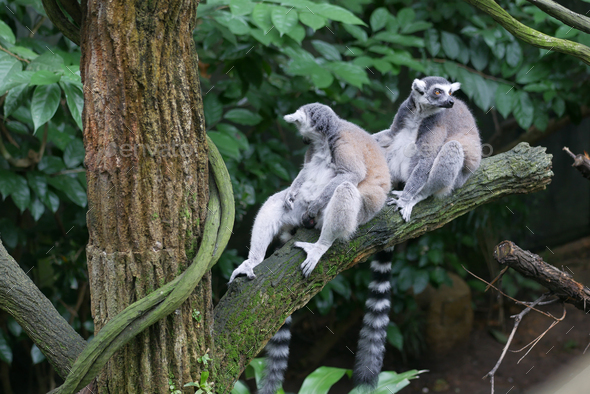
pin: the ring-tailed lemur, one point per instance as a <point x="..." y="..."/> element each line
<point x="433" y="144"/>
<point x="344" y="183"/>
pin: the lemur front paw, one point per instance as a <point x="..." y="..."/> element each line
<point x="311" y="261"/>
<point x="244" y="269"/>
<point x="309" y="219"/>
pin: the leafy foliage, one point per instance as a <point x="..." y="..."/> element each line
<point x="322" y="379"/>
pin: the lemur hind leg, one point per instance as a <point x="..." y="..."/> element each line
<point x="441" y="179"/>
<point x="340" y="222"/>
<point x="270" y="220"/>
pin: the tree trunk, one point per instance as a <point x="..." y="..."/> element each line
<point x="147" y="174"/>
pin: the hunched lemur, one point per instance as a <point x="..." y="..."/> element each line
<point x="433" y="144"/>
<point x="343" y="183"/>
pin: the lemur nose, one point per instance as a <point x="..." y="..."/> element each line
<point x="451" y="102"/>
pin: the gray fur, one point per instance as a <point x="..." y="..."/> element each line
<point x="433" y="144"/>
<point x="343" y="183"/>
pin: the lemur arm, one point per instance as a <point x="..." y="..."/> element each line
<point x="417" y="179"/>
<point x="297" y="182"/>
<point x="323" y="199"/>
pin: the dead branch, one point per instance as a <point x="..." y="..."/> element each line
<point x="530" y="265"/>
<point x="581" y="162"/>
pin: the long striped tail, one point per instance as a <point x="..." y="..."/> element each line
<point x="277" y="356"/>
<point x="371" y="345"/>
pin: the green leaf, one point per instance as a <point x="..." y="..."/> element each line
<point x="24" y="52"/>
<point x="565" y="31"/>
<point x="404" y="58"/>
<point x="70" y="187"/>
<point x="36" y="355"/>
<point x="212" y="108"/>
<point x="21" y="195"/>
<point x="241" y="7"/>
<point x="15" y="78"/>
<point x="255" y="369"/>
<point x="236" y="24"/>
<point x="5" y="350"/>
<point x="415" y="27"/>
<point x="75" y="100"/>
<point x="506" y="98"/>
<point x="513" y="54"/>
<point x="14" y="98"/>
<point x="379" y="18"/>
<point x="44" y="77"/>
<point x="279" y="170"/>
<point x="356" y="32"/>
<point x="532" y="73"/>
<point x="261" y="16"/>
<point x="47" y="61"/>
<point x="335" y="13"/>
<point x="44" y="104"/>
<point x="479" y="53"/>
<point x="559" y="106"/>
<point x="524" y="111"/>
<point x="484" y="92"/>
<point x="351" y="73"/>
<point x="431" y="38"/>
<point x="74" y="153"/>
<point x="37" y="209"/>
<point x="51" y="201"/>
<point x="51" y="164"/>
<point x="14" y="327"/>
<point x="37" y="182"/>
<point x="395" y="337"/>
<point x="8" y="66"/>
<point x="243" y="116"/>
<point x="284" y="19"/>
<point x="297" y="33"/>
<point x="405" y="16"/>
<point x="227" y="146"/>
<point x="10" y="182"/>
<point x="409" y="41"/>
<point x="6" y="33"/>
<point x="240" y="388"/>
<point x="328" y="51"/>
<point x="233" y="132"/>
<point x="421" y="279"/>
<point x="451" y="44"/>
<point x="382" y="65"/>
<point x="314" y="21"/>
<point x="321" y="380"/>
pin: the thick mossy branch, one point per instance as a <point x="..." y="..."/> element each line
<point x="531" y="36"/>
<point x="252" y="310"/>
<point x="564" y="14"/>
<point x="19" y="296"/>
<point x="532" y="266"/>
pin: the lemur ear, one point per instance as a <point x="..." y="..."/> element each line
<point x="419" y="86"/>
<point x="454" y="87"/>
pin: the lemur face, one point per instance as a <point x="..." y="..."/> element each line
<point x="435" y="91"/>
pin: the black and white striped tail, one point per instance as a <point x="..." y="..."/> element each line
<point x="277" y="355"/>
<point x="371" y="346"/>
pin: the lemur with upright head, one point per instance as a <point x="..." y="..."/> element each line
<point x="433" y="145"/>
<point x="343" y="184"/>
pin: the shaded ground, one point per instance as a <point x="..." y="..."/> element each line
<point x="461" y="370"/>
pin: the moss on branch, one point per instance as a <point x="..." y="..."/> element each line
<point x="252" y="310"/>
<point x="531" y="36"/>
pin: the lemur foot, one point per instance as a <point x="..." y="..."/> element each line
<point x="405" y="207"/>
<point x="314" y="253"/>
<point x="246" y="268"/>
<point x="397" y="193"/>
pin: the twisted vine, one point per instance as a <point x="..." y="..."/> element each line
<point x="163" y="301"/>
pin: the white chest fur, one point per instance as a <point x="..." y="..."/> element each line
<point x="318" y="173"/>
<point x="401" y="150"/>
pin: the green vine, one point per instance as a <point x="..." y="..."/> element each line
<point x="160" y="303"/>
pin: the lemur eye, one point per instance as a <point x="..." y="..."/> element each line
<point x="437" y="92"/>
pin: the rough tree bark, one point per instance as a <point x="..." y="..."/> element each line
<point x="530" y="265"/>
<point x="146" y="159"/>
<point x="251" y="311"/>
